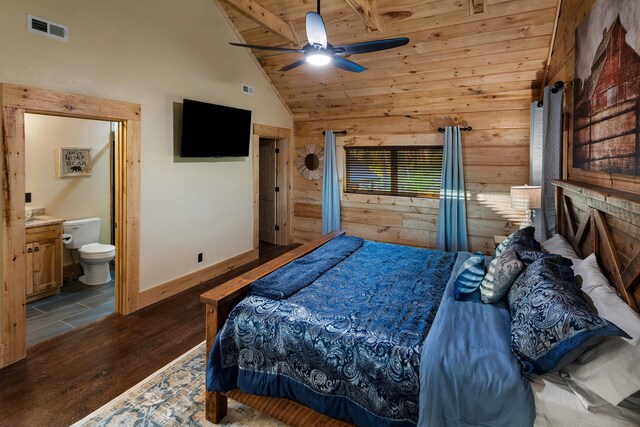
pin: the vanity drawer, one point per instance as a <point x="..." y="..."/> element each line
<point x="43" y="233"/>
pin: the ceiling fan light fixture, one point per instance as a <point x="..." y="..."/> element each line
<point x="318" y="52"/>
<point x="318" y="58"/>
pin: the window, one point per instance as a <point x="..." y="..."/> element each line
<point x="394" y="171"/>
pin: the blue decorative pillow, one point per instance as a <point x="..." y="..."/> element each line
<point x="469" y="277"/>
<point x="502" y="272"/>
<point x="551" y="324"/>
<point x="523" y="237"/>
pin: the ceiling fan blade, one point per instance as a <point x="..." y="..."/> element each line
<point x="293" y="65"/>
<point x="316" y="32"/>
<point x="275" y="49"/>
<point x="371" y="46"/>
<point x="347" y="65"/>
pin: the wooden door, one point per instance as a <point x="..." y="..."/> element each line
<point x="267" y="191"/>
<point x="44" y="265"/>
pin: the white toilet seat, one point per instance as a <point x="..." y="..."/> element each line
<point x="97" y="251"/>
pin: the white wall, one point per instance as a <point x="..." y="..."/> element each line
<point x="70" y="197"/>
<point x="155" y="53"/>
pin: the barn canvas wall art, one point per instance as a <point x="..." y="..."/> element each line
<point x="606" y="127"/>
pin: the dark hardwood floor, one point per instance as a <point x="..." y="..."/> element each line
<point x="68" y="377"/>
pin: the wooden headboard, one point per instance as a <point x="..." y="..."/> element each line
<point x="606" y="222"/>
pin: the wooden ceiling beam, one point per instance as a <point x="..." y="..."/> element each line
<point x="368" y="12"/>
<point x="263" y="17"/>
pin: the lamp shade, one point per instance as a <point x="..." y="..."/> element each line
<point x="526" y="197"/>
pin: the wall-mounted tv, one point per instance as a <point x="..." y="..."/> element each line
<point x="210" y="130"/>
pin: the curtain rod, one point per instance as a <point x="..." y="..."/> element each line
<point x="468" y="129"/>
<point x="344" y="132"/>
<point x="558" y="85"/>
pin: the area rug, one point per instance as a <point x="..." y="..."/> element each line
<point x="173" y="396"/>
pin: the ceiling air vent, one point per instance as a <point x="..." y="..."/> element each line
<point x="47" y="28"/>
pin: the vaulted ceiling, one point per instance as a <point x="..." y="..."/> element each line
<point x="473" y="51"/>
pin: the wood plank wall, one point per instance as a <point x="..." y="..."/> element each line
<point x="484" y="72"/>
<point x="562" y="67"/>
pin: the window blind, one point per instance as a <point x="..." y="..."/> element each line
<point x="394" y="171"/>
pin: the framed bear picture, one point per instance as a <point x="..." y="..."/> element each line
<point x="75" y="161"/>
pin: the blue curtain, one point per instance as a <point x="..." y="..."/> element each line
<point x="551" y="158"/>
<point x="451" y="234"/>
<point x="535" y="160"/>
<point x="546" y="158"/>
<point x="330" y="189"/>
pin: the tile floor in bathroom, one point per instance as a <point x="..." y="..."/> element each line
<point x="75" y="306"/>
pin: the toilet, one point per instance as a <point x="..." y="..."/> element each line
<point x="94" y="256"/>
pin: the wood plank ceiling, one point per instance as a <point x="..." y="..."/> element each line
<point x="479" y="62"/>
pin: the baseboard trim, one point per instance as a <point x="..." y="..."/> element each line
<point x="175" y="286"/>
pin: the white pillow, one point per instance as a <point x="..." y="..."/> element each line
<point x="558" y="245"/>
<point x="612" y="368"/>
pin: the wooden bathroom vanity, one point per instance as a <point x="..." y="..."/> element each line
<point x="44" y="257"/>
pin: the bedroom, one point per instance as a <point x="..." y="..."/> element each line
<point x="485" y="73"/>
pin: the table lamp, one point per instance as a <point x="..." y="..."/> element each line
<point x="526" y="197"/>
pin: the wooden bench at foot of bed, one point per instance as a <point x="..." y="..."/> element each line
<point x="220" y="301"/>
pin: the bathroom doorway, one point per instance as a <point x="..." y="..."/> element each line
<point x="15" y="101"/>
<point x="69" y="167"/>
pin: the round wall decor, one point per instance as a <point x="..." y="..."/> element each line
<point x="310" y="161"/>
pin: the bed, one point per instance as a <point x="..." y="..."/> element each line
<point x="481" y="360"/>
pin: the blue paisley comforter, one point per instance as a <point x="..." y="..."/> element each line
<point x="348" y="344"/>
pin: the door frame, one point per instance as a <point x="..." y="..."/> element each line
<point x="15" y="101"/>
<point x="284" y="181"/>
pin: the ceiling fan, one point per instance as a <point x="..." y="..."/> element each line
<point x="319" y="52"/>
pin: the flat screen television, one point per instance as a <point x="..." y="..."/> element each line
<point x="210" y="130"/>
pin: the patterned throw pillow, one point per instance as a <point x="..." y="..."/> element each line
<point x="528" y="256"/>
<point x="523" y="237"/>
<point x="502" y="272"/>
<point x="469" y="277"/>
<point x="551" y="324"/>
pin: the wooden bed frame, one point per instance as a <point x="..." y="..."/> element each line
<point x="606" y="222"/>
<point x="593" y="219"/>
